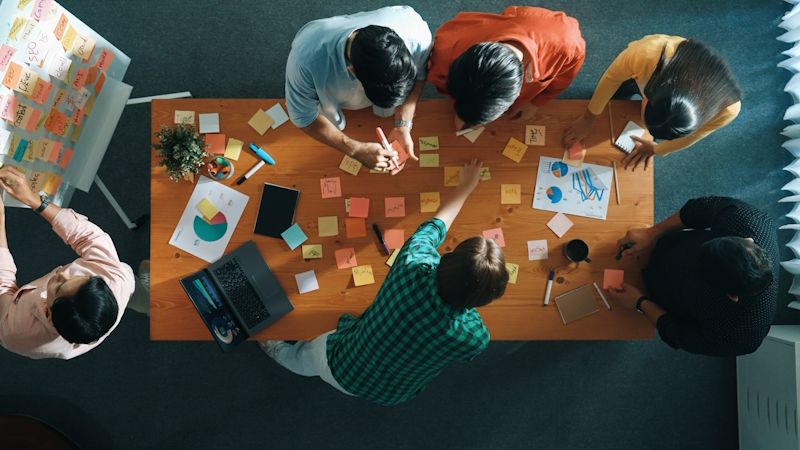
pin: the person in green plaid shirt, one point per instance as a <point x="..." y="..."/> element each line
<point x="422" y="319"/>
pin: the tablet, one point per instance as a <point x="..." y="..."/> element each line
<point x="276" y="210"/>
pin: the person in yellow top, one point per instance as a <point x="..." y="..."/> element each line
<point x="687" y="90"/>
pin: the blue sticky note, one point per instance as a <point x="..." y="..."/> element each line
<point x="19" y="153"/>
<point x="294" y="236"/>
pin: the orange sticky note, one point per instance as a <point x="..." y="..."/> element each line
<point x="495" y="234"/>
<point x="510" y="194"/>
<point x="215" y="144"/>
<point x="61" y="26"/>
<point x="515" y="150"/>
<point x="13" y="73"/>
<point x="395" y="206"/>
<point x="429" y="201"/>
<point x="104" y="60"/>
<point x="33" y="120"/>
<point x="101" y="80"/>
<point x="394" y="238"/>
<point x="65" y="158"/>
<point x="359" y="207"/>
<point x="330" y="187"/>
<point x="80" y="78"/>
<point x="452" y="175"/>
<point x="355" y="227"/>
<point x="345" y="258"/>
<point x="613" y="278"/>
<point x="41" y="91"/>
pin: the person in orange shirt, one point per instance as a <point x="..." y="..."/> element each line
<point x="515" y="61"/>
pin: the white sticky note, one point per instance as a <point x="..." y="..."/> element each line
<point x="306" y="282"/>
<point x="560" y="224"/>
<point x="5" y="135"/>
<point x="278" y="115"/>
<point x="209" y="123"/>
<point x="537" y="250"/>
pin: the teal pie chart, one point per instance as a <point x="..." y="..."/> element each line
<point x="213" y="231"/>
<point x="554" y="194"/>
<point x="559" y="169"/>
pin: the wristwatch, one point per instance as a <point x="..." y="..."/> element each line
<point x="639" y="303"/>
<point x="399" y="123"/>
<point x="44" y="205"/>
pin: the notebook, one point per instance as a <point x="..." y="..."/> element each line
<point x="624" y="141"/>
<point x="276" y="210"/>
<point x="576" y="304"/>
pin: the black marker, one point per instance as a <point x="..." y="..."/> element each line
<point x="380" y="238"/>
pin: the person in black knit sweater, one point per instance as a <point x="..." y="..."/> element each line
<point x="711" y="277"/>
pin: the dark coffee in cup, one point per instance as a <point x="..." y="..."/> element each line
<point x="577" y="251"/>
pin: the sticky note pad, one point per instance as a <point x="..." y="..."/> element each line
<point x="534" y="134"/>
<point x="578" y="162"/>
<point x="350" y="165"/>
<point x="209" y="123"/>
<point x="277" y="115"/>
<point x="429" y="160"/>
<point x="362" y="275"/>
<point x="330" y="187"/>
<point x="510" y="194"/>
<point x="452" y="176"/>
<point x="402" y="157"/>
<point x="428" y="143"/>
<point x="486" y="175"/>
<point x="613" y="278"/>
<point x="345" y="258"/>
<point x="215" y="144"/>
<point x="328" y="226"/>
<point x="394" y="238"/>
<point x="233" y="149"/>
<point x="355" y="227"/>
<point x="560" y="224"/>
<point x="313" y="251"/>
<point x="392" y="257"/>
<point x="294" y="236"/>
<point x="576" y="151"/>
<point x="515" y="150"/>
<point x="395" y="206"/>
<point x="495" y="234"/>
<point x="473" y="135"/>
<point x="359" y="207"/>
<point x="429" y="201"/>
<point x="207" y="209"/>
<point x="513" y="272"/>
<point x="537" y="250"/>
<point x="260" y="122"/>
<point x="184" y="117"/>
<point x="306" y="282"/>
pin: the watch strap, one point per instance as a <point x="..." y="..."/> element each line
<point x="399" y="123"/>
<point x="639" y="302"/>
<point x="44" y="205"/>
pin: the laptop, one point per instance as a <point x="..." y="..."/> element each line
<point x="237" y="296"/>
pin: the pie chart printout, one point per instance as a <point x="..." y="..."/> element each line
<point x="213" y="230"/>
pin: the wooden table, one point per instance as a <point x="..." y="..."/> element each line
<point x="301" y="162"/>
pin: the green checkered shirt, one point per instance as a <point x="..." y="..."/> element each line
<point x="408" y="334"/>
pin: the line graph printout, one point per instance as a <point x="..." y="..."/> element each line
<point x="580" y="191"/>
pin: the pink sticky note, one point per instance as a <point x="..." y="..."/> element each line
<point x="8" y="107"/>
<point x="330" y="187"/>
<point x="33" y="120"/>
<point x="560" y="224"/>
<point x="395" y="206"/>
<point x="79" y="79"/>
<point x="65" y="158"/>
<point x="495" y="234"/>
<point x="6" y="52"/>
<point x="104" y="60"/>
<point x="345" y="258"/>
<point x="40" y="9"/>
<point x="55" y="152"/>
<point x="576" y="151"/>
<point x="613" y="278"/>
<point x="394" y="238"/>
<point x="215" y="144"/>
<point x="359" y="207"/>
<point x="41" y="91"/>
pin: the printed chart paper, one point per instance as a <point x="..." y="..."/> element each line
<point x="581" y="192"/>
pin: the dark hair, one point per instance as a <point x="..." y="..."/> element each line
<point x="473" y="274"/>
<point x="688" y="91"/>
<point x="382" y="63"/>
<point x="484" y="81"/>
<point x="736" y="265"/>
<point x="88" y="315"/>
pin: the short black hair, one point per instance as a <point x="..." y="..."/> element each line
<point x="88" y="315"/>
<point x="473" y="274"/>
<point x="383" y="64"/>
<point x="484" y="81"/>
<point x="736" y="265"/>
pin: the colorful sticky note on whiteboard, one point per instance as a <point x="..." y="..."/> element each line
<point x="11" y="78"/>
<point x="260" y="122"/>
<point x="27" y="81"/>
<point x="355" y="227"/>
<point x="560" y="224"/>
<point x="184" y="117"/>
<point x="313" y="251"/>
<point x="510" y="194"/>
<point x="395" y="206"/>
<point x="345" y="258"/>
<point x="328" y="226"/>
<point x="515" y="150"/>
<point x="6" y="53"/>
<point x="394" y="238"/>
<point x="613" y="278"/>
<point x="65" y="158"/>
<point x="306" y="282"/>
<point x="513" y="272"/>
<point x="294" y="236"/>
<point x="429" y="201"/>
<point x="359" y="207"/>
<point x="362" y="275"/>
<point x="330" y="187"/>
<point x="429" y="160"/>
<point x="233" y="149"/>
<point x="495" y="234"/>
<point x="41" y="91"/>
<point x="537" y="250"/>
<point x="428" y="143"/>
<point x="350" y="165"/>
<point x="452" y="175"/>
<point x="534" y="134"/>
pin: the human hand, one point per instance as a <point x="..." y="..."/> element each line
<point x="15" y="183"/>
<point x="579" y="129"/>
<point x="626" y="296"/>
<point x="373" y="155"/>
<point x="637" y="242"/>
<point x="470" y="175"/>
<point x="642" y="153"/>
<point x="523" y="112"/>
<point x="403" y="136"/>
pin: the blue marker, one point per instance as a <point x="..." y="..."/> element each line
<point x="262" y="154"/>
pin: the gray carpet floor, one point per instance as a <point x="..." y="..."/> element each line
<point x="134" y="394"/>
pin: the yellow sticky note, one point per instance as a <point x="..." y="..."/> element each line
<point x="207" y="209"/>
<point x="233" y="149"/>
<point x="534" y="134"/>
<point x="429" y="160"/>
<point x="69" y="38"/>
<point x="19" y="22"/>
<point x="23" y="3"/>
<point x="513" y="271"/>
<point x="328" y="226"/>
<point x="429" y="201"/>
<point x="29" y="156"/>
<point x="451" y="175"/>
<point x="510" y="194"/>
<point x="428" y="143"/>
<point x="515" y="150"/>
<point x="392" y="257"/>
<point x="260" y="122"/>
<point x="350" y="165"/>
<point x="184" y="117"/>
<point x="485" y="174"/>
<point x="313" y="251"/>
<point x="362" y="275"/>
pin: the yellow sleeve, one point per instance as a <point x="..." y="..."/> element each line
<point x="725" y="117"/>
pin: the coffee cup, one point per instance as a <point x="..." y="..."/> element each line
<point x="577" y="251"/>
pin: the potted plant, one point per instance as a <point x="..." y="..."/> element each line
<point x="182" y="151"/>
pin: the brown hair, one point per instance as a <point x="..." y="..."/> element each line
<point x="473" y="274"/>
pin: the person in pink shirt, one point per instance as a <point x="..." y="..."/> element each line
<point x="73" y="308"/>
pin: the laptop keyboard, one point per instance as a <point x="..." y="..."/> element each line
<point x="241" y="293"/>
